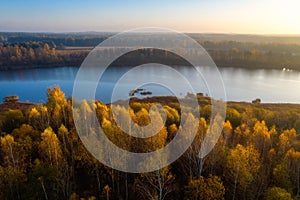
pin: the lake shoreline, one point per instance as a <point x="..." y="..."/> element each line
<point x="165" y="100"/>
<point x="14" y="68"/>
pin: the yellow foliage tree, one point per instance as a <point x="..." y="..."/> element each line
<point x="204" y="188"/>
<point x="49" y="148"/>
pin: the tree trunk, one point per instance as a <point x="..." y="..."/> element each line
<point x="160" y="185"/>
<point x="235" y="181"/>
<point x="99" y="183"/>
<point x="44" y="189"/>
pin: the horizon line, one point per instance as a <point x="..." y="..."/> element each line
<point x="116" y="32"/>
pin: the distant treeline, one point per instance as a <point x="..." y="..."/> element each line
<point x="60" y="39"/>
<point x="251" y="55"/>
<point x="34" y="54"/>
<point x="94" y="38"/>
<point x="41" y="49"/>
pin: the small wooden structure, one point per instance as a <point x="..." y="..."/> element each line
<point x="140" y="91"/>
<point x="146" y="93"/>
<point x="12" y="98"/>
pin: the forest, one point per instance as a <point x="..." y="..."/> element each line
<point x="36" y="54"/>
<point x="256" y="157"/>
<point x="24" y="50"/>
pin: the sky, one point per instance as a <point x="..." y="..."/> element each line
<point x="204" y="16"/>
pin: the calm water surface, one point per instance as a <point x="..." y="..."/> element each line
<point x="240" y="84"/>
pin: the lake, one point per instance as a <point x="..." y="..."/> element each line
<point x="240" y="84"/>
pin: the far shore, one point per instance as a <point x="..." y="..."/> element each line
<point x="24" y="67"/>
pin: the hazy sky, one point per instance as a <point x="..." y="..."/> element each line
<point x="222" y="16"/>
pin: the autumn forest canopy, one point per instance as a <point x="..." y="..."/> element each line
<point x="256" y="157"/>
